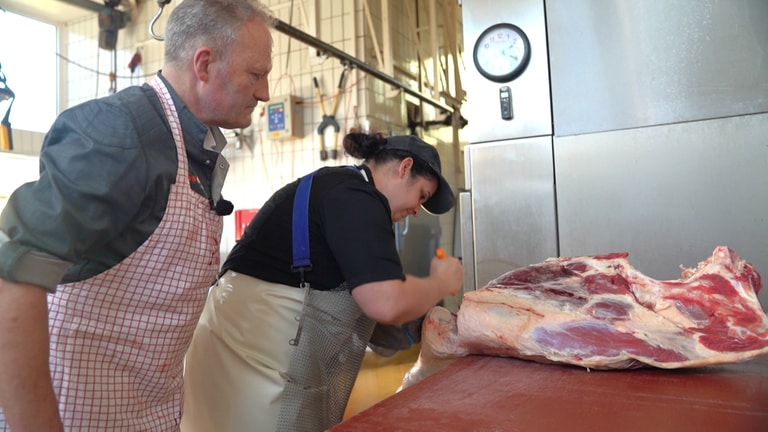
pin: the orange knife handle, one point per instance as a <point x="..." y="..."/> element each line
<point x="440" y="252"/>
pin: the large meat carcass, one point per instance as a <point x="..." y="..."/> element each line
<point x="599" y="312"/>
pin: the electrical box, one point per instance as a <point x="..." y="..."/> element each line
<point x="284" y="117"/>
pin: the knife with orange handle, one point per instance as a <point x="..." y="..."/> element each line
<point x="440" y="253"/>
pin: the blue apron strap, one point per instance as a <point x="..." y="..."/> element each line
<point x="300" y="225"/>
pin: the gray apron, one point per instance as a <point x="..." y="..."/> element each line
<point x="329" y="348"/>
<point x="329" y="345"/>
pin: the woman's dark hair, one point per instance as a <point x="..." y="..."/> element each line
<point x="372" y="148"/>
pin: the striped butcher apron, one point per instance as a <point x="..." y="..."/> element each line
<point x="118" y="339"/>
<point x="270" y="357"/>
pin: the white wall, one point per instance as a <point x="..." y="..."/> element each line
<point x="15" y="170"/>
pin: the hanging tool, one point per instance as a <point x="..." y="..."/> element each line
<point x="111" y="21"/>
<point x="6" y="136"/>
<point x="135" y="61"/>
<point x="329" y="120"/>
<point x="161" y="4"/>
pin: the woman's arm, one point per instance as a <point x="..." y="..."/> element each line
<point x="396" y="301"/>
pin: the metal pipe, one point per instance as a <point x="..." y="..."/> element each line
<point x="348" y="59"/>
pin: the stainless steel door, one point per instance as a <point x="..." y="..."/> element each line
<point x="666" y="194"/>
<point x="628" y="64"/>
<point x="512" y="206"/>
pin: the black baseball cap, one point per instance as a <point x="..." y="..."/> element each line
<point x="442" y="200"/>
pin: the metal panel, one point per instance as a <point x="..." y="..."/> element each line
<point x="418" y="243"/>
<point x="624" y="64"/>
<point x="530" y="91"/>
<point x="661" y="135"/>
<point x="667" y="194"/>
<point x="467" y="244"/>
<point x="513" y="205"/>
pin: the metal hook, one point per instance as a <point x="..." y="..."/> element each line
<point x="161" y="4"/>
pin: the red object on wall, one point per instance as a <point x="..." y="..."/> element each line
<point x="242" y="218"/>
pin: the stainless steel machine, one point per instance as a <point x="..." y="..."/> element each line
<point x="599" y="127"/>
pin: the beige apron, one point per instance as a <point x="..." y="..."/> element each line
<point x="118" y="339"/>
<point x="237" y="361"/>
<point x="244" y="374"/>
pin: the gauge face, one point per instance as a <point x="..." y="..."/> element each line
<point x="502" y="52"/>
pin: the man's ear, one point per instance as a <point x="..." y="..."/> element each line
<point x="201" y="61"/>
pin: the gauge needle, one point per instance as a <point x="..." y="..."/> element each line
<point x="510" y="52"/>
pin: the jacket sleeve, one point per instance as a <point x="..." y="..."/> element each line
<point x="93" y="177"/>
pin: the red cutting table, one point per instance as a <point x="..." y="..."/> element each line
<point x="485" y="394"/>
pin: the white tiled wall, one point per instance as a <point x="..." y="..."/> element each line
<point x="260" y="165"/>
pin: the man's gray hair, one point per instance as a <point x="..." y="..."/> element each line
<point x="215" y="23"/>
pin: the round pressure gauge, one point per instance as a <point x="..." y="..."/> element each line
<point x="502" y="52"/>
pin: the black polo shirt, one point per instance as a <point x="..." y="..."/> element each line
<point x="351" y="236"/>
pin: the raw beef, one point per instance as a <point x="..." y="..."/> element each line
<point x="600" y="313"/>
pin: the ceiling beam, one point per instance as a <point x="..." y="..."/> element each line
<point x="86" y="4"/>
